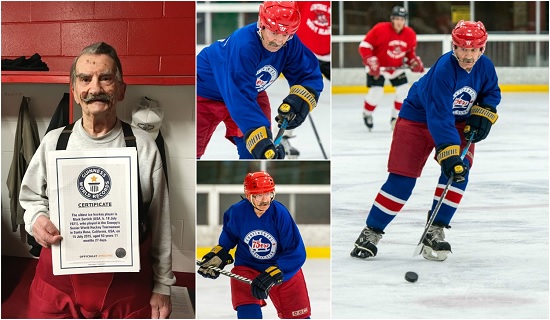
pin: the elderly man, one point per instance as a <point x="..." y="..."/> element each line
<point x="98" y="86"/>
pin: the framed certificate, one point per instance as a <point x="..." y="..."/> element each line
<point x="94" y="204"/>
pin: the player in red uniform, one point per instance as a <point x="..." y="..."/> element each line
<point x="314" y="32"/>
<point x="383" y="50"/>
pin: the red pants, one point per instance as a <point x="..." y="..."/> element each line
<point x="290" y="298"/>
<point x="121" y="295"/>
<point x="211" y="112"/>
<point x="412" y="144"/>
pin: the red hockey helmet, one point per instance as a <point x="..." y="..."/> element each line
<point x="469" y="34"/>
<point x="282" y="17"/>
<point x="258" y="182"/>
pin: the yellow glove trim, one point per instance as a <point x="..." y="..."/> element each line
<point x="272" y="271"/>
<point x="448" y="152"/>
<point x="480" y="111"/>
<point x="305" y="95"/>
<point x="257" y="136"/>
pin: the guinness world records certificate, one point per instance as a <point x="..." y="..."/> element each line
<point x="94" y="204"/>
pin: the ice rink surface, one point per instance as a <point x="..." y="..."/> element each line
<point x="499" y="235"/>
<point x="304" y="139"/>
<point x="213" y="298"/>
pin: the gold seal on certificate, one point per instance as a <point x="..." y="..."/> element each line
<point x="94" y="204"/>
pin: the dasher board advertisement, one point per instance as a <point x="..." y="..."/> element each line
<point x="94" y="203"/>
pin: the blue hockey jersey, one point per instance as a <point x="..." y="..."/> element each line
<point x="272" y="239"/>
<point x="235" y="69"/>
<point x="446" y="93"/>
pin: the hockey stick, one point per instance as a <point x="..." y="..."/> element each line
<point x="420" y="244"/>
<point x="279" y="136"/>
<point x="317" y="136"/>
<point x="227" y="273"/>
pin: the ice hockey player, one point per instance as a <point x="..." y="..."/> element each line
<point x="455" y="99"/>
<point x="233" y="74"/>
<point x="383" y="50"/>
<point x="314" y="32"/>
<point x="270" y="250"/>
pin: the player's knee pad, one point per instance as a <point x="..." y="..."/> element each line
<point x="401" y="92"/>
<point x="399" y="186"/>
<point x="249" y="311"/>
<point x="374" y="96"/>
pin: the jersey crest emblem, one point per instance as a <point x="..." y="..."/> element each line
<point x="265" y="77"/>
<point x="261" y="244"/>
<point x="463" y="100"/>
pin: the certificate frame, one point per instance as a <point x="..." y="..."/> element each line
<point x="94" y="203"/>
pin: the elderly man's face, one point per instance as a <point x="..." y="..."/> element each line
<point x="96" y="86"/>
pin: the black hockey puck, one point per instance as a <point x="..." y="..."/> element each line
<point x="411" y="276"/>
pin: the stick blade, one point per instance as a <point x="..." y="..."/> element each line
<point x="418" y="249"/>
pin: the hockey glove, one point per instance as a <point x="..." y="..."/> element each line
<point x="265" y="280"/>
<point x="416" y="64"/>
<point x="448" y="157"/>
<point x="373" y="66"/>
<point x="296" y="106"/>
<point x="481" y="119"/>
<point x="259" y="143"/>
<point x="217" y="257"/>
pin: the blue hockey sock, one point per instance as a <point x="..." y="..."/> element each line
<point x="249" y="311"/>
<point x="241" y="149"/>
<point x="390" y="200"/>
<point x="451" y="202"/>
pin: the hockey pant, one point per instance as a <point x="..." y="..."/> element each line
<point x="411" y="146"/>
<point x="290" y="298"/>
<point x="376" y="92"/>
<point x="120" y="295"/>
<point x="210" y="113"/>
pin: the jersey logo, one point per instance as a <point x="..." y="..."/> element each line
<point x="94" y="183"/>
<point x="265" y="77"/>
<point x="319" y="19"/>
<point x="261" y="244"/>
<point x="463" y="100"/>
<point x="397" y="49"/>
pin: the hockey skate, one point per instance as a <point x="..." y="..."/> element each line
<point x="435" y="247"/>
<point x="392" y="123"/>
<point x="365" y="245"/>
<point x="290" y="151"/>
<point x="368" y="120"/>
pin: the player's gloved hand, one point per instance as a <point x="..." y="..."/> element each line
<point x="259" y="143"/>
<point x="217" y="257"/>
<point x="373" y="66"/>
<point x="481" y="119"/>
<point x="265" y="280"/>
<point x="416" y="64"/>
<point x="296" y="106"/>
<point x="448" y="157"/>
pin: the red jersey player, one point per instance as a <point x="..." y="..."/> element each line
<point x="314" y="32"/>
<point x="383" y="50"/>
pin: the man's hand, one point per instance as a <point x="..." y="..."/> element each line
<point x="373" y="66"/>
<point x="161" y="306"/>
<point x="45" y="232"/>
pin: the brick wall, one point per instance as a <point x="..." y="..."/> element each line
<point x="152" y="38"/>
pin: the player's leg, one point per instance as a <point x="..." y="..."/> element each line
<point x="209" y="115"/>
<point x="291" y="298"/>
<point x="410" y="149"/>
<point x="291" y="152"/>
<point x="436" y="247"/>
<point x="373" y="98"/>
<point x="244" y="303"/>
<point x="401" y="90"/>
<point x="235" y="135"/>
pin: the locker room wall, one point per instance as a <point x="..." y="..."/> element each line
<point x="144" y="35"/>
